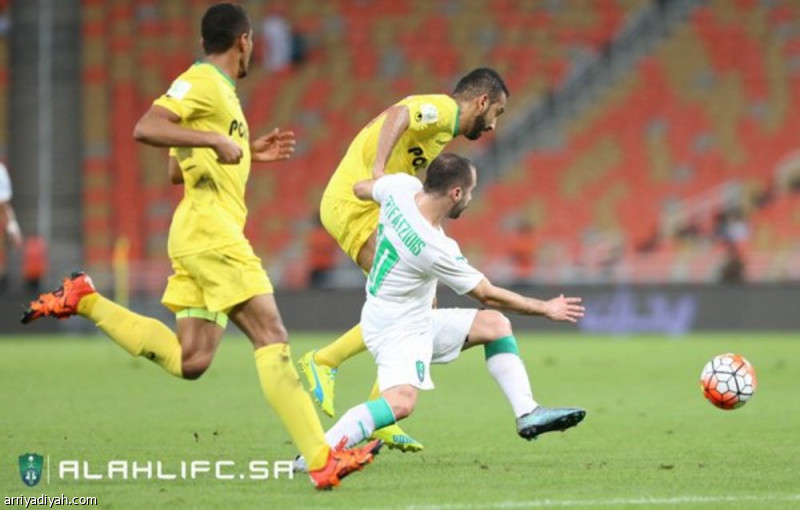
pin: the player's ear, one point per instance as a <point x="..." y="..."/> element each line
<point x="483" y="102"/>
<point x="242" y="41"/>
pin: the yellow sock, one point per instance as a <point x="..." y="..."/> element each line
<point x="139" y="335"/>
<point x="343" y="348"/>
<point x="286" y="395"/>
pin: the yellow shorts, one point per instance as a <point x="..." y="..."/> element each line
<point x="350" y="223"/>
<point x="216" y="280"/>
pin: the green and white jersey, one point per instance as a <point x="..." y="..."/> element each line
<point x="411" y="255"/>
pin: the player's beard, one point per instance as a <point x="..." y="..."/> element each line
<point x="457" y="209"/>
<point x="478" y="127"/>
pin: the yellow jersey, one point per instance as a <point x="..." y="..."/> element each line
<point x="212" y="213"/>
<point x="432" y="123"/>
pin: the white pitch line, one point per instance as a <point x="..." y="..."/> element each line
<point x="566" y="503"/>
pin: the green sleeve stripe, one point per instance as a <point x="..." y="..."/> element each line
<point x="381" y="413"/>
<point x="458" y="121"/>
<point x="501" y="345"/>
<point x="201" y="313"/>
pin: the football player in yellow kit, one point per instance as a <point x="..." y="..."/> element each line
<point x="404" y="138"/>
<point x="216" y="274"/>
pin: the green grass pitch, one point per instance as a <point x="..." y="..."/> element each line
<point x="649" y="438"/>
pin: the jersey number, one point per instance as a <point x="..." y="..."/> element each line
<point x="385" y="259"/>
<point x="419" y="160"/>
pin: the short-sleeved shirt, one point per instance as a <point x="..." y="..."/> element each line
<point x="410" y="257"/>
<point x="5" y="184"/>
<point x="432" y="124"/>
<point x="212" y="213"/>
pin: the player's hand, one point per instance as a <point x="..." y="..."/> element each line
<point x="275" y="146"/>
<point x="228" y="151"/>
<point x="564" y="309"/>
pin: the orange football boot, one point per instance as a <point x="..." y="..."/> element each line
<point x="342" y="462"/>
<point x="62" y="302"/>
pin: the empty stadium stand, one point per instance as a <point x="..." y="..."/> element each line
<point x="715" y="103"/>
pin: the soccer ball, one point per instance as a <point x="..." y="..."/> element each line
<point x="728" y="381"/>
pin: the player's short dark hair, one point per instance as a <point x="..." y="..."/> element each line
<point x="447" y="171"/>
<point x="221" y="25"/>
<point x="482" y="80"/>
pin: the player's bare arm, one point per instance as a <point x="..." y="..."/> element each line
<point x="274" y="146"/>
<point x="560" y="309"/>
<point x="363" y="189"/>
<point x="394" y="126"/>
<point x="161" y="128"/>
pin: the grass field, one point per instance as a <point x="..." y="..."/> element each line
<point x="649" y="438"/>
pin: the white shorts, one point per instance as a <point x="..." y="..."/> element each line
<point x="405" y="357"/>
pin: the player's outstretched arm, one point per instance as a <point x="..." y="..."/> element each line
<point x="560" y="309"/>
<point x="394" y="126"/>
<point x="161" y="128"/>
<point x="274" y="146"/>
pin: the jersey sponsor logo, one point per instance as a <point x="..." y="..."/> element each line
<point x="238" y="127"/>
<point x="179" y="89"/>
<point x="419" y="161"/>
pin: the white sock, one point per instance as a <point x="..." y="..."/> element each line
<point x="509" y="372"/>
<point x="356" y="425"/>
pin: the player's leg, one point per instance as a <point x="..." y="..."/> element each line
<point x="259" y="319"/>
<point x="199" y="334"/>
<point x="403" y="362"/>
<point x="403" y="359"/>
<point x="137" y="334"/>
<point x="362" y="421"/>
<point x="392" y="434"/>
<point x="493" y="330"/>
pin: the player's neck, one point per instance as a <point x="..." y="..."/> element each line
<point x="432" y="209"/>
<point x="226" y="62"/>
<point x="467" y="111"/>
<point x="463" y="110"/>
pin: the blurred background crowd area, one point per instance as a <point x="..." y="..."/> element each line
<point x="643" y="142"/>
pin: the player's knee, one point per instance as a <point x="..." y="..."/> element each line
<point x="402" y="406"/>
<point x="402" y="410"/>
<point x="195" y="365"/>
<point x="278" y="333"/>
<point x="273" y="333"/>
<point x="497" y="324"/>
